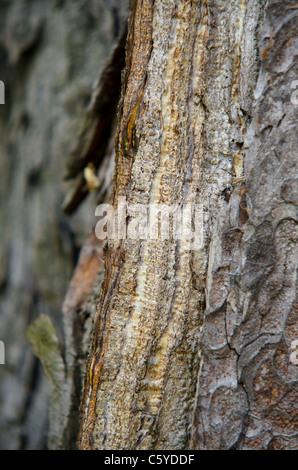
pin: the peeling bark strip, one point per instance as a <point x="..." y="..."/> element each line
<point x="142" y="370"/>
<point x="97" y="129"/>
<point x="192" y="68"/>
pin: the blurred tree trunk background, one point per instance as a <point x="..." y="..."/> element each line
<point x="51" y="53"/>
<point x="190" y="349"/>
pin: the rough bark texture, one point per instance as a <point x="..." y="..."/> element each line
<point x="247" y="386"/>
<point x="51" y="53"/>
<point x="191" y="348"/>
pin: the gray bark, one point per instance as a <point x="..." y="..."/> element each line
<point x="247" y="385"/>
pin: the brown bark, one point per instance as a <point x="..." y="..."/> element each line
<point x="191" y="349"/>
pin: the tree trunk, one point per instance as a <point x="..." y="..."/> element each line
<point x="191" y="348"/>
<point x="178" y="346"/>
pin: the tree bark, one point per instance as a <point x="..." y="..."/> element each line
<point x="247" y="386"/>
<point x="191" y="348"/>
<point x="178" y="348"/>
